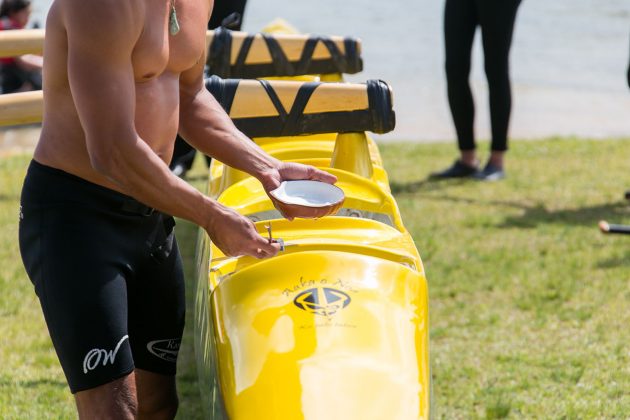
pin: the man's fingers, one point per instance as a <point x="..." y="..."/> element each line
<point x="264" y="249"/>
<point x="324" y="177"/>
<point x="301" y="171"/>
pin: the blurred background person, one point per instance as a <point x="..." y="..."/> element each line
<point x="496" y="19"/>
<point x="22" y="73"/>
<point x="228" y="13"/>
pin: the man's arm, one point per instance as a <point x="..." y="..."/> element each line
<point x="101" y="37"/>
<point x="207" y="127"/>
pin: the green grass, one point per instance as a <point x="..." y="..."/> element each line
<point x="528" y="301"/>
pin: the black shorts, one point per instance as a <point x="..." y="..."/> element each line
<point x="108" y="274"/>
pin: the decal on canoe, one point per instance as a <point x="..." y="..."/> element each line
<point x="302" y="284"/>
<point x="324" y="301"/>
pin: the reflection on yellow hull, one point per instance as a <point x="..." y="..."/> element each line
<point x="323" y="335"/>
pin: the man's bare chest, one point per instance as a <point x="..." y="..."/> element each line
<point x="158" y="50"/>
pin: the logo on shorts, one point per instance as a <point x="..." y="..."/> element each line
<point x="165" y="349"/>
<point x="95" y="356"/>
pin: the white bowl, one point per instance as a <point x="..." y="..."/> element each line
<point x="307" y="199"/>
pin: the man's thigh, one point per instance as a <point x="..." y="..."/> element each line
<point x="81" y="282"/>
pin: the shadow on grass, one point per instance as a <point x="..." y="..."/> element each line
<point x="427" y="184"/>
<point x="582" y="216"/>
<point x="533" y="215"/>
<point x="617" y="261"/>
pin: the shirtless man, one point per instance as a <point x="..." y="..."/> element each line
<point x="104" y="264"/>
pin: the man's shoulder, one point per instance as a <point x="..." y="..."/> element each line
<point x="101" y="10"/>
<point x="102" y="19"/>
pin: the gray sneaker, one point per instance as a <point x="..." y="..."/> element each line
<point x="490" y="173"/>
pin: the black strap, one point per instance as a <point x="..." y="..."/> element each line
<point x="223" y="90"/>
<point x="381" y="106"/>
<point x="349" y="62"/>
<point x="219" y="56"/>
<point x="275" y="100"/>
<point x="291" y="120"/>
<point x="379" y="117"/>
<point x="291" y="125"/>
<point x="307" y="55"/>
<point x="242" y="54"/>
<point x="280" y="61"/>
<point x="335" y="54"/>
<point x="354" y="63"/>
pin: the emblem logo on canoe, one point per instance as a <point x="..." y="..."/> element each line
<point x="322" y="300"/>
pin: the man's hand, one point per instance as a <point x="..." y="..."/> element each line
<point x="236" y="235"/>
<point x="286" y="171"/>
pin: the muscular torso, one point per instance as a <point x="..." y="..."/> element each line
<point x="157" y="60"/>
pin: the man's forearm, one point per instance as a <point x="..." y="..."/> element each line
<point x="141" y="174"/>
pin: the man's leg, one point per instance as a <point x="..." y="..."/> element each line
<point x="157" y="395"/>
<point x="81" y="246"/>
<point x="114" y="400"/>
<point x="141" y="394"/>
<point x="156" y="322"/>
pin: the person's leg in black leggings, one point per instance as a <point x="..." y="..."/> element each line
<point x="461" y="18"/>
<point x="460" y="24"/>
<point x="496" y="19"/>
<point x="184" y="154"/>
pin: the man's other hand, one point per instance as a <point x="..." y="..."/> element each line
<point x="236" y="235"/>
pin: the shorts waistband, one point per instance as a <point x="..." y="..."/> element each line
<point x="58" y="185"/>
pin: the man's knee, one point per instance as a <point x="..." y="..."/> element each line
<point x="497" y="73"/>
<point x="116" y="399"/>
<point x="157" y="395"/>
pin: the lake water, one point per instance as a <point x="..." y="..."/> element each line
<point x="569" y="60"/>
